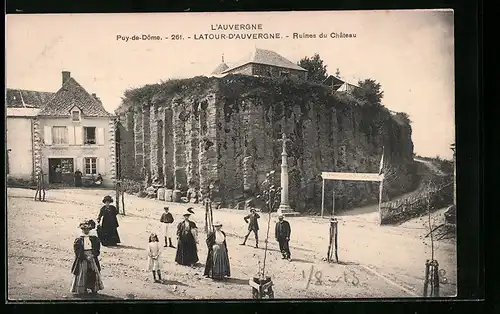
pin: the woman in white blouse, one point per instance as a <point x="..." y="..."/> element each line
<point x="217" y="265"/>
<point x="86" y="269"/>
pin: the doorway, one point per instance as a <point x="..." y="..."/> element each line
<point x="61" y="170"/>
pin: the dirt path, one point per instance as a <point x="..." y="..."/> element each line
<point x="375" y="261"/>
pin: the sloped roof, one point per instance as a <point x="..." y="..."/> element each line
<point x="22" y="112"/>
<point x="267" y="57"/>
<point x="73" y="94"/>
<point x="220" y="68"/>
<point x="20" y="98"/>
<point x="333" y="82"/>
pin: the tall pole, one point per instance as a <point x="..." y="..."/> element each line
<point x="284" y="205"/>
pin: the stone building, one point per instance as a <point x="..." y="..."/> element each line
<point x="223" y="132"/>
<point x="265" y="63"/>
<point x="69" y="130"/>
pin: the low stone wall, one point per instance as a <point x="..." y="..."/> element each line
<point x="415" y="203"/>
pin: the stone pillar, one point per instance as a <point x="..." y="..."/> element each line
<point x="146" y="130"/>
<point x="284" y="183"/>
<point x="112" y="148"/>
<point x="153" y="142"/>
<point x="284" y="205"/>
<point x="37" y="147"/>
<point x="179" y="138"/>
<point x="168" y="149"/>
<point x="128" y="162"/>
<point x="138" y="140"/>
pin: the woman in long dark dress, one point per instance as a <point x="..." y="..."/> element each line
<point x="187" y="234"/>
<point x="86" y="268"/>
<point x="108" y="232"/>
<point x="217" y="265"/>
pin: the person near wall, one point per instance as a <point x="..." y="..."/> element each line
<point x="98" y="180"/>
<point x="154" y="252"/>
<point x="40" y="187"/>
<point x="187" y="234"/>
<point x="253" y="226"/>
<point x="86" y="268"/>
<point x="78" y="178"/>
<point x="108" y="223"/>
<point x="166" y="220"/>
<point x="282" y="235"/>
<point x="217" y="266"/>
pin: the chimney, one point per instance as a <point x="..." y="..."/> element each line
<point x="65" y="76"/>
<point x="94" y="95"/>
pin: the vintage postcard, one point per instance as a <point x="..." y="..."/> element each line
<point x="271" y="155"/>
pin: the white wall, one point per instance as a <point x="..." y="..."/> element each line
<point x="19" y="141"/>
<point x="75" y="148"/>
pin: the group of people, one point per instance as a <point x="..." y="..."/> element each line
<point x="86" y="268"/>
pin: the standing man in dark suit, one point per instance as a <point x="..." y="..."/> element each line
<point x="253" y="226"/>
<point x="282" y="234"/>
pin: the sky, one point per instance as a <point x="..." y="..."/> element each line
<point x="410" y="53"/>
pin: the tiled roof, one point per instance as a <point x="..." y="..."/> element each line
<point x="19" y="98"/>
<point x="267" y="57"/>
<point x="220" y="68"/>
<point x="73" y="94"/>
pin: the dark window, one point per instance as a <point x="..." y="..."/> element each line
<point x="89" y="135"/>
<point x="75" y="116"/>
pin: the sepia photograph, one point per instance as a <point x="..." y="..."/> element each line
<point x="230" y="156"/>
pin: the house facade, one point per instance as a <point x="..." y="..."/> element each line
<point x="265" y="63"/>
<point x="70" y="131"/>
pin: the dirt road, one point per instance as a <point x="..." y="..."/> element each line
<point x="375" y="261"/>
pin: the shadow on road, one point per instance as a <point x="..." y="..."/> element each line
<point x="97" y="296"/>
<point x="128" y="247"/>
<point x="173" y="283"/>
<point x="237" y="281"/>
<point x="301" y="261"/>
<point x="346" y="263"/>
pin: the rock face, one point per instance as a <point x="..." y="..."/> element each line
<point x="224" y="132"/>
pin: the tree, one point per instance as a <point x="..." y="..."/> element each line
<point x="369" y="91"/>
<point x="316" y="70"/>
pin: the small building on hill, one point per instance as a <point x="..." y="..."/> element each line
<point x="60" y="133"/>
<point x="266" y="63"/>
<point x="337" y="84"/>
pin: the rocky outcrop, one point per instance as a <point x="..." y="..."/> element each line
<point x="224" y="132"/>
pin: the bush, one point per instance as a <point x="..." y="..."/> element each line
<point x="20" y="183"/>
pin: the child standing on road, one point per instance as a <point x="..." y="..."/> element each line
<point x="166" y="220"/>
<point x="154" y="251"/>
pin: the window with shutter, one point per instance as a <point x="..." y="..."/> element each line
<point x="60" y="135"/>
<point x="71" y="135"/>
<point x="47" y="135"/>
<point x="78" y="135"/>
<point x="102" y="166"/>
<point x="100" y="136"/>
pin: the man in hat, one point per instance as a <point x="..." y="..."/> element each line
<point x="167" y="219"/>
<point x="187" y="235"/>
<point x="282" y="235"/>
<point x="253" y="226"/>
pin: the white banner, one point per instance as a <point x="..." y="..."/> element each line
<point x="352" y="176"/>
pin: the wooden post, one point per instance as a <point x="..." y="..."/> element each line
<point x="123" y="199"/>
<point x="333" y="204"/>
<point x="323" y="199"/>
<point x="117" y="191"/>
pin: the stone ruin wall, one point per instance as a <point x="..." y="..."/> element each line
<point x="192" y="141"/>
